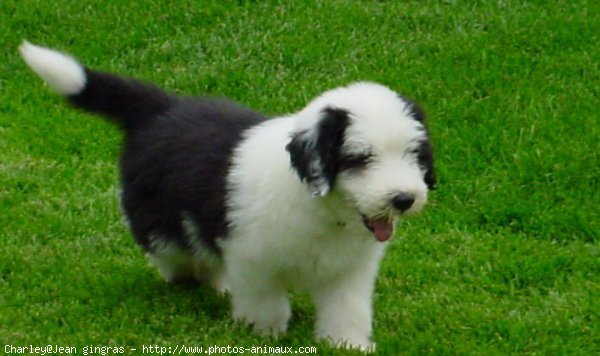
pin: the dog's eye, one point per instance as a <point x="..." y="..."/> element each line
<point x="355" y="161"/>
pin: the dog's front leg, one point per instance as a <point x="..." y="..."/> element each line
<point x="259" y="301"/>
<point x="344" y="311"/>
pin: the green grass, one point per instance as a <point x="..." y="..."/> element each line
<point x="505" y="260"/>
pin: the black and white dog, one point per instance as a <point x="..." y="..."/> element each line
<point x="215" y="191"/>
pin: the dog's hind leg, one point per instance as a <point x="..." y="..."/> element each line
<point x="218" y="280"/>
<point x="165" y="251"/>
<point x="208" y="265"/>
<point x="173" y="262"/>
<point x="210" y="270"/>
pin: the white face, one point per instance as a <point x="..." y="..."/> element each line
<point x="380" y="161"/>
<point x="370" y="144"/>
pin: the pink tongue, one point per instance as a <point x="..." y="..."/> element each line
<point x="382" y="229"/>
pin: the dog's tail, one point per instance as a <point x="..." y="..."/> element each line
<point x="127" y="102"/>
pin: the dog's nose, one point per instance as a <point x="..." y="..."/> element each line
<point x="403" y="201"/>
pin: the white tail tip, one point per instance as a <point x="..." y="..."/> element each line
<point x="61" y="71"/>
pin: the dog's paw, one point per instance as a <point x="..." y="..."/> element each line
<point x="219" y="283"/>
<point x="271" y="325"/>
<point x="265" y="319"/>
<point x="270" y="329"/>
<point x="361" y="344"/>
<point x="368" y="347"/>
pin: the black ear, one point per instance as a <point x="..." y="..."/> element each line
<point x="425" y="150"/>
<point x="315" y="152"/>
<point x="426" y="161"/>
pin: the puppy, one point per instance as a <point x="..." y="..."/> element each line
<point x="214" y="191"/>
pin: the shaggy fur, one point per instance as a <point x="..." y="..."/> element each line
<point x="214" y="191"/>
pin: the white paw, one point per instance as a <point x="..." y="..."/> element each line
<point x="268" y="316"/>
<point x="219" y="283"/>
<point x="265" y="324"/>
<point x="362" y="344"/>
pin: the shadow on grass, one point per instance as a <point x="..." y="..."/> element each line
<point x="141" y="293"/>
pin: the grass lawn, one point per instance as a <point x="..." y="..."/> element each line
<point x="505" y="259"/>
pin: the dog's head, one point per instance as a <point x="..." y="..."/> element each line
<point x="372" y="145"/>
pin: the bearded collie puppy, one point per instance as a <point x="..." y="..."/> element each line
<point x="258" y="207"/>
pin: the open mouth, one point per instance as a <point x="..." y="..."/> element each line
<point x="381" y="228"/>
